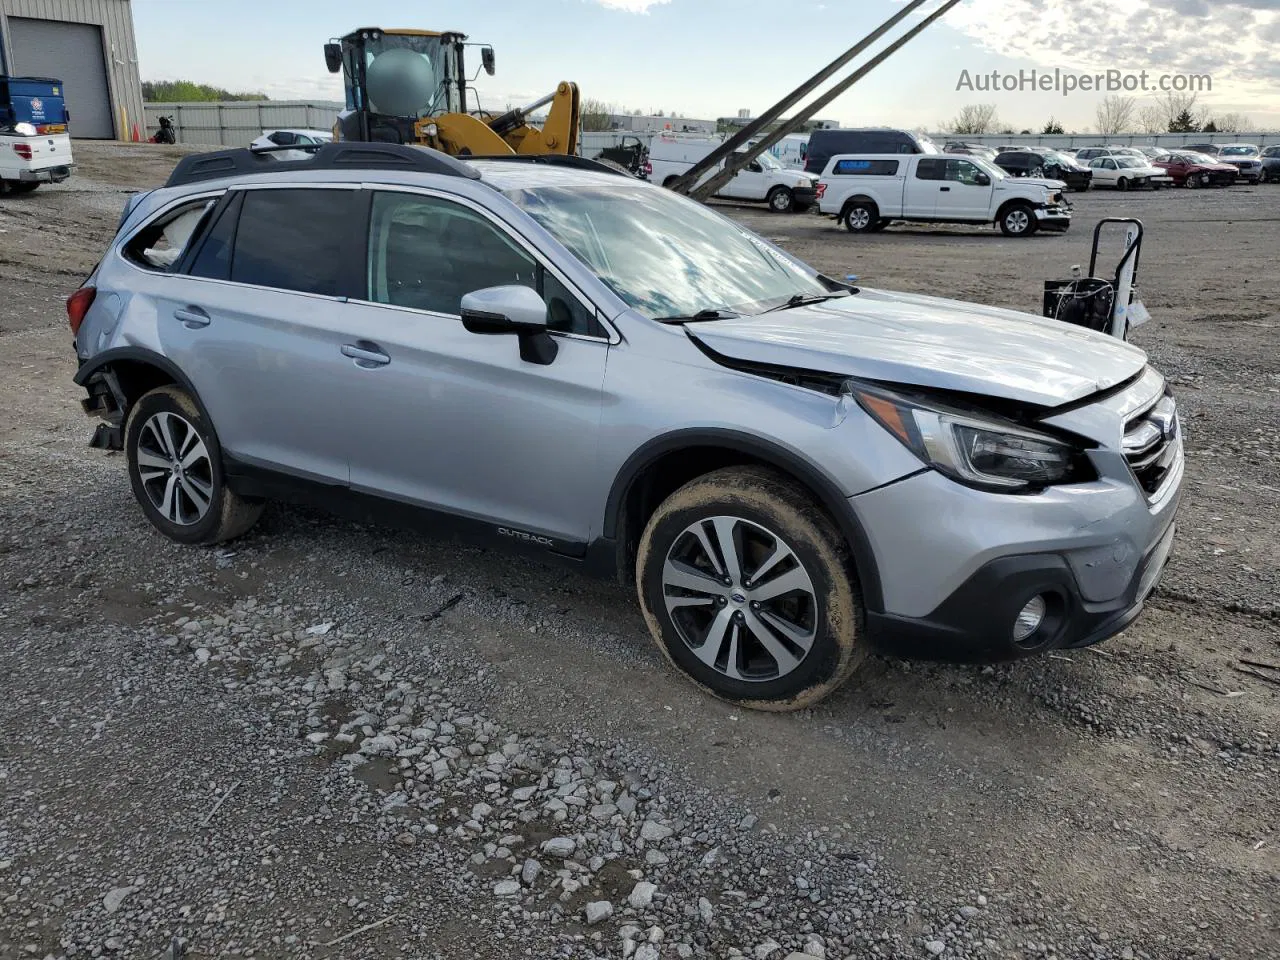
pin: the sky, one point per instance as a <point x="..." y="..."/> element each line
<point x="712" y="58"/>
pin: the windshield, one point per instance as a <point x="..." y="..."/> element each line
<point x="664" y="255"/>
<point x="769" y="162"/>
<point x="987" y="167"/>
<point x="1128" y="162"/>
<point x="1199" y="158"/>
<point x="1239" y="152"/>
<point x="409" y="76"/>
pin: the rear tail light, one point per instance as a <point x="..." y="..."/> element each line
<point x="23" y="150"/>
<point x="78" y="305"/>
<point x="822" y="189"/>
<point x="648" y="169"/>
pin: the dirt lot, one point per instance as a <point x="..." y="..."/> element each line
<point x="331" y="740"/>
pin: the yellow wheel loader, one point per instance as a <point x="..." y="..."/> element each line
<point x="411" y="86"/>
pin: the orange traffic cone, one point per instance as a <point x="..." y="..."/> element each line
<point x="136" y="135"/>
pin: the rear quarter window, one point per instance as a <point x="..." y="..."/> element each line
<point x="160" y="244"/>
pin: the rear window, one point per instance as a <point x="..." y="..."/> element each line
<point x="866" y="168"/>
<point x="294" y="239"/>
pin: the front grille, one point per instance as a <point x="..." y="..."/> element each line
<point x="1151" y="445"/>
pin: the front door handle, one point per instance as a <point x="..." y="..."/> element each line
<point x="192" y="317"/>
<point x="945" y="189"/>
<point x="366" y="354"/>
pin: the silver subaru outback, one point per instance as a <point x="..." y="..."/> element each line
<point x="560" y="359"/>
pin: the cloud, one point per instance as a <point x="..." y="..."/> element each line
<point x="642" y="6"/>
<point x="1230" y="39"/>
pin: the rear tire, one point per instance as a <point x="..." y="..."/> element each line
<point x="779" y="650"/>
<point x="175" y="469"/>
<point x="781" y="200"/>
<point x="860" y="216"/>
<point x="24" y="186"/>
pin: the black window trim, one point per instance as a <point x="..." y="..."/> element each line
<point x="610" y="334"/>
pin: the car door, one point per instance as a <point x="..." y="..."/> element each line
<point x="920" y="190"/>
<point x="1104" y="170"/>
<point x="454" y="420"/>
<point x="257" y="324"/>
<point x="962" y="195"/>
<point x="749" y="183"/>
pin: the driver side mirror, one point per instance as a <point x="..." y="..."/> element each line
<point x="984" y="180"/>
<point x="512" y="309"/>
<point x="755" y="167"/>
<point x="487" y="59"/>
<point x="333" y="57"/>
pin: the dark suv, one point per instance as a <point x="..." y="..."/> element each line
<point x="825" y="144"/>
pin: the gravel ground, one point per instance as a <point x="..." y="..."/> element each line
<point x="328" y="740"/>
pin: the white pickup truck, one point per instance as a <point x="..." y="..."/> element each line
<point x="867" y="192"/>
<point x="35" y="147"/>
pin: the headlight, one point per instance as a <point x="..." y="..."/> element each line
<point x="25" y="129"/>
<point x="977" y="450"/>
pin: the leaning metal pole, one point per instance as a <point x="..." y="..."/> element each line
<point x="760" y="123"/>
<point x="733" y="164"/>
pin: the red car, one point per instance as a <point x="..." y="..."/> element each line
<point x="1197" y="170"/>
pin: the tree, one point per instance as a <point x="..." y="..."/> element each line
<point x="1151" y="119"/>
<point x="1184" y="122"/>
<point x="1209" y="127"/>
<point x="186" y="91"/>
<point x="1232" y="123"/>
<point x="1115" y="115"/>
<point x="1053" y="126"/>
<point x="1180" y="113"/>
<point x="595" y="115"/>
<point x="976" y="118"/>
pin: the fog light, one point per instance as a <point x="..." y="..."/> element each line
<point x="1029" y="619"/>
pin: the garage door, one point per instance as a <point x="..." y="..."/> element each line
<point x="72" y="53"/>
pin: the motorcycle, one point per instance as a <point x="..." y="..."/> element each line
<point x="166" y="133"/>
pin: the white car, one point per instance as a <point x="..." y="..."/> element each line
<point x="764" y="180"/>
<point x="1126" y="173"/>
<point x="288" y="138"/>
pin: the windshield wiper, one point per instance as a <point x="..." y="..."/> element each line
<point x="701" y="315"/>
<point x="800" y="299"/>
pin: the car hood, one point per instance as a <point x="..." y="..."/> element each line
<point x="1013" y="183"/>
<point x="931" y="342"/>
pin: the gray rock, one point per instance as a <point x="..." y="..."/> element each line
<point x="111" y="902"/>
<point x="935" y="947"/>
<point x="560" y="847"/>
<point x="815" y="948"/>
<point x="747" y="822"/>
<point x="647" y="951"/>
<point x="654" y="832"/>
<point x="506" y="888"/>
<point x="762" y="951"/>
<point x="521" y="794"/>
<point x="641" y="896"/>
<point x="597" y="911"/>
<point x="705" y="911"/>
<point x="969" y="912"/>
<point x="529" y="872"/>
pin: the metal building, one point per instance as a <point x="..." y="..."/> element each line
<point x="87" y="44"/>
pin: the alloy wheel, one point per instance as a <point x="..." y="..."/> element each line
<point x="860" y="218"/>
<point x="740" y="598"/>
<point x="1017" y="221"/>
<point x="175" y="469"/>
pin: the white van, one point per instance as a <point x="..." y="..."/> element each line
<point x="764" y="181"/>
<point x="791" y="151"/>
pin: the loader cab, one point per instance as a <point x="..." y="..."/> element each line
<point x="394" y="78"/>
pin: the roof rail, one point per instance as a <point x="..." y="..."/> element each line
<point x="343" y="155"/>
<point x="558" y="160"/>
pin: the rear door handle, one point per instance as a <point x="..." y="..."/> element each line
<point x="945" y="189"/>
<point x="192" y="317"/>
<point x="365" y="354"/>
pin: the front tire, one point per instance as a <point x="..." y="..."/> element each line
<point x="781" y="200"/>
<point x="749" y="589"/>
<point x="175" y="469"/>
<point x="1018" y="221"/>
<point x="1122" y="183"/>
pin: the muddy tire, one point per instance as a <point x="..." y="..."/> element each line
<point x="749" y="589"/>
<point x="175" y="469"/>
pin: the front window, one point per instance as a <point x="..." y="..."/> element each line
<point x="664" y="255"/>
<point x="1239" y="152"/>
<point x="409" y="76"/>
